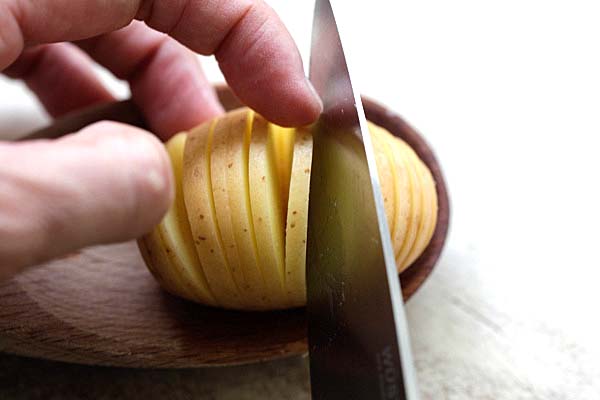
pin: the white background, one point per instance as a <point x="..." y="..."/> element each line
<point x="508" y="94"/>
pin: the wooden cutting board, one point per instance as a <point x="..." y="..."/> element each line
<point x="100" y="306"/>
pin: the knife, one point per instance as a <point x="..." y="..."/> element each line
<point x="359" y="345"/>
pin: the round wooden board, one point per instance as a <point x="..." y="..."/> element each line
<point x="100" y="306"/>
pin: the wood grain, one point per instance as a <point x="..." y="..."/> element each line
<point x="101" y="307"/>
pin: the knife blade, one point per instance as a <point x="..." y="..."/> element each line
<point x="359" y="346"/>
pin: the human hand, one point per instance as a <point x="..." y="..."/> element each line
<point x="112" y="182"/>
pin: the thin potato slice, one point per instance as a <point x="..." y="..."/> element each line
<point x="414" y="222"/>
<point x="267" y="209"/>
<point x="152" y="249"/>
<point x="199" y="201"/>
<point x="297" y="218"/>
<point x="387" y="175"/>
<point x="220" y="164"/>
<point x="404" y="199"/>
<point x="238" y="147"/>
<point x="176" y="234"/>
<point x="433" y="203"/>
<point x="427" y="216"/>
<point x="163" y="249"/>
<point x="284" y="146"/>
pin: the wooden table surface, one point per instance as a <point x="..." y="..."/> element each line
<point x="508" y="94"/>
<point x="466" y="347"/>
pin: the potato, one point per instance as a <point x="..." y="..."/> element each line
<point x="170" y="249"/>
<point x="412" y="207"/>
<point x="200" y="205"/>
<point x="428" y="210"/>
<point x="235" y="236"/>
<point x="297" y="218"/>
<point x="387" y="173"/>
<point x="238" y="187"/>
<point x="267" y="208"/>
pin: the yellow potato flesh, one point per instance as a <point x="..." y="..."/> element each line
<point x="403" y="195"/>
<point x="153" y="251"/>
<point x="433" y="204"/>
<point x="297" y="218"/>
<point x="387" y="173"/>
<point x="169" y="247"/>
<point x="284" y="149"/>
<point x="238" y="185"/>
<point x="429" y="212"/>
<point x="199" y="201"/>
<point x="176" y="233"/>
<point x="415" y="199"/>
<point x="235" y="236"/>
<point x="229" y="130"/>
<point x="267" y="209"/>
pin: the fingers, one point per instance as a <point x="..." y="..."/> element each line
<point x="255" y="51"/>
<point x="166" y="80"/>
<point x="31" y="22"/>
<point x="107" y="183"/>
<point x="263" y="66"/>
<point x="61" y="76"/>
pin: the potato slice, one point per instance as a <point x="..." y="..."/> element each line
<point x="237" y="151"/>
<point x="199" y="201"/>
<point x="416" y="201"/>
<point x="429" y="182"/>
<point x="169" y="249"/>
<point x="404" y="200"/>
<point x="226" y="130"/>
<point x="152" y="249"/>
<point x="297" y="218"/>
<point x="284" y="146"/>
<point x="429" y="212"/>
<point x="176" y="233"/>
<point x="433" y="203"/>
<point x="387" y="174"/>
<point x="267" y="208"/>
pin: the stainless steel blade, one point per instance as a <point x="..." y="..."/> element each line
<point x="358" y="339"/>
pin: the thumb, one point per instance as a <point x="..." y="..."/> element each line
<point x="110" y="182"/>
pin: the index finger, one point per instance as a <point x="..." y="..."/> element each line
<point x="255" y="51"/>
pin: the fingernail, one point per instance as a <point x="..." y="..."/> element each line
<point x="315" y="95"/>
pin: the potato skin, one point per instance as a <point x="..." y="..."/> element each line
<point x="246" y="189"/>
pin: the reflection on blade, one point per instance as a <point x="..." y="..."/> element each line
<point x="358" y="340"/>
